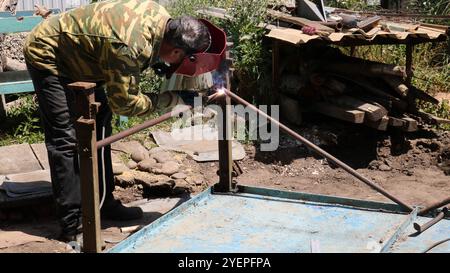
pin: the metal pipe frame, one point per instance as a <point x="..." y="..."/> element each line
<point x="143" y="126"/>
<point x="321" y="152"/>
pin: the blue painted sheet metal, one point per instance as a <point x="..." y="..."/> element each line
<point x="23" y="13"/>
<point x="412" y="242"/>
<point x="237" y="223"/>
<point x="12" y="25"/>
<point x="16" y="87"/>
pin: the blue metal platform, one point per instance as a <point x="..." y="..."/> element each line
<point x="271" y="221"/>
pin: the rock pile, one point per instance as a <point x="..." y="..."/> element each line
<point x="160" y="172"/>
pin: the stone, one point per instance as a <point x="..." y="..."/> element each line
<point x="374" y="165"/>
<point x="159" y="185"/>
<point x="119" y="168"/>
<point x="115" y="158"/>
<point x="179" y="176"/>
<point x="163" y="157"/>
<point x="148" y="179"/>
<point x="181" y="186"/>
<point x="128" y="147"/>
<point x="384" y="168"/>
<point x="147" y="165"/>
<point x="139" y="156"/>
<point x="132" y="164"/>
<point x="167" y="168"/>
<point x="156" y="150"/>
<point x="195" y="180"/>
<point x="126" y="179"/>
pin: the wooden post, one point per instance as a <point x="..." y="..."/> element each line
<point x="2" y="107"/>
<point x="275" y="70"/>
<point x="87" y="109"/>
<point x="409" y="60"/>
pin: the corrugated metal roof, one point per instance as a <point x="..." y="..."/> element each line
<point x="50" y="4"/>
<point x="421" y="33"/>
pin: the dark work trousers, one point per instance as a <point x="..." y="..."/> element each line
<point x="56" y="104"/>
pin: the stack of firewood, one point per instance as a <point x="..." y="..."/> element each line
<point x="323" y="80"/>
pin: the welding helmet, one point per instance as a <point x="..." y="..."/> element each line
<point x="195" y="64"/>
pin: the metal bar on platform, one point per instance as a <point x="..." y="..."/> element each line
<point x="143" y="126"/>
<point x="321" y="152"/>
<point x="436" y="205"/>
<point x="439" y="217"/>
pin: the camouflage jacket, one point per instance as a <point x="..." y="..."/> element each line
<point x="110" y="42"/>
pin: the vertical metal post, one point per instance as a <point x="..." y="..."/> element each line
<point x="87" y="109"/>
<point x="409" y="61"/>
<point x="275" y="69"/>
<point x="225" y="148"/>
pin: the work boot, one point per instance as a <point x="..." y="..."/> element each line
<point x="114" y="210"/>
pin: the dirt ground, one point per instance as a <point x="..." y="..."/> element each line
<point x="414" y="167"/>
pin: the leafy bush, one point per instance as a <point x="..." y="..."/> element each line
<point x="23" y="123"/>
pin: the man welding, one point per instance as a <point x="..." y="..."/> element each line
<point x="109" y="43"/>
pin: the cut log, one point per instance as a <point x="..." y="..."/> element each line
<point x="429" y="118"/>
<point x="377" y="101"/>
<point x="398" y="85"/>
<point x="354" y="66"/>
<point x="291" y="84"/>
<point x="320" y="29"/>
<point x="290" y="110"/>
<point x="373" y="112"/>
<point x="366" y="86"/>
<point x="422" y="95"/>
<point x="396" y="122"/>
<point x="335" y="85"/>
<point x="411" y="125"/>
<point x="380" y="125"/>
<point x="328" y="109"/>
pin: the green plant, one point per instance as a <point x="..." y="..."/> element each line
<point x="22" y="123"/>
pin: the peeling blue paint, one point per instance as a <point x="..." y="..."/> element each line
<point x="271" y="221"/>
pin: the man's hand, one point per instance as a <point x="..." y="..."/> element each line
<point x="165" y="100"/>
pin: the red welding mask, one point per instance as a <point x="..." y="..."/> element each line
<point x="203" y="62"/>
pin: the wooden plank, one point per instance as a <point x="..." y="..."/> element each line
<point x="41" y="153"/>
<point x="396" y="122"/>
<point x="380" y="125"/>
<point x="422" y="95"/>
<point x="300" y="21"/>
<point x="411" y="125"/>
<point x="18" y="159"/>
<point x="397" y="84"/>
<point x="429" y="118"/>
<point x="373" y="112"/>
<point x="350" y="115"/>
<point x="2" y="106"/>
<point x="14" y="76"/>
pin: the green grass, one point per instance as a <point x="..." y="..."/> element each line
<point x="22" y="124"/>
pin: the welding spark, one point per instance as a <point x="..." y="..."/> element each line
<point x="221" y="91"/>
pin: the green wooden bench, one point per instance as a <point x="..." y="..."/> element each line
<point x="14" y="82"/>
